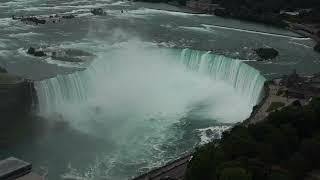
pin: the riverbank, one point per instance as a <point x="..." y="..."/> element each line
<point x="282" y="19"/>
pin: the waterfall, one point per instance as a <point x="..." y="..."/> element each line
<point x="244" y="78"/>
<point x="77" y="88"/>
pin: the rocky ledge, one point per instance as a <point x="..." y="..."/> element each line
<point x="17" y="94"/>
<point x="66" y="55"/>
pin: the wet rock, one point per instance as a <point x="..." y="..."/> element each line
<point x="40" y="54"/>
<point x="33" y="20"/>
<point x="209" y="132"/>
<point x="71" y="16"/>
<point x="31" y="50"/>
<point x="266" y="53"/>
<point x="98" y="11"/>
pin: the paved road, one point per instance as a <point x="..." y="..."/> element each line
<point x="175" y="169"/>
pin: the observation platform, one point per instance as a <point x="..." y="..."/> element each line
<point x="16" y="169"/>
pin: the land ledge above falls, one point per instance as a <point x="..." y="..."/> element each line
<point x="17" y="95"/>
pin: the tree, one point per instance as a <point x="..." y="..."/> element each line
<point x="297" y="166"/>
<point x="235" y="174"/>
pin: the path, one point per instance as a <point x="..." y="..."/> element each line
<point x="175" y="169"/>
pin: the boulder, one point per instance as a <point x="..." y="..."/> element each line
<point x="266" y="53"/>
<point x="98" y="11"/>
<point x="40" y="54"/>
<point x="34" y="20"/>
<point x="31" y="50"/>
<point x="71" y="16"/>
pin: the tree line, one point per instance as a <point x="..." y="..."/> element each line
<point x="284" y="147"/>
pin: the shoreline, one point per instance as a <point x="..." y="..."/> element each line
<point x="302" y="30"/>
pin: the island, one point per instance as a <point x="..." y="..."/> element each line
<point x="266" y="53"/>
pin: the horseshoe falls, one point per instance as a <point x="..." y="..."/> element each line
<point x="146" y="102"/>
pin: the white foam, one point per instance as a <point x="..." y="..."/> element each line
<point x="198" y="29"/>
<point x="254" y="32"/>
<point x="22" y="35"/>
<point x="300" y="44"/>
<point x="215" y="132"/>
<point x="49" y="60"/>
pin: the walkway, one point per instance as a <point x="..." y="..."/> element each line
<point x="175" y="169"/>
<point x="273" y="97"/>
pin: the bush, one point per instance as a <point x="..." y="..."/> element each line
<point x="289" y="139"/>
<point x="266" y="53"/>
<point x="235" y="174"/>
<point x="3" y="70"/>
<point x="317" y="47"/>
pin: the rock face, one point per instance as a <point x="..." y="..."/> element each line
<point x="266" y="53"/>
<point x="317" y="47"/>
<point x="17" y="95"/>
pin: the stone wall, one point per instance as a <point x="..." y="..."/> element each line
<point x="17" y="97"/>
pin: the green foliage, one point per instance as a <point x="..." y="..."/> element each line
<point x="317" y="47"/>
<point x="289" y="139"/>
<point x="267" y="53"/>
<point x="274" y="106"/>
<point x="234" y="174"/>
<point x="297" y="166"/>
<point x="3" y="70"/>
<point x="278" y="176"/>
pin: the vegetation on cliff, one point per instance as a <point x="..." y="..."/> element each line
<point x="317" y="47"/>
<point x="286" y="146"/>
<point x="266" y="53"/>
<point x="3" y="70"/>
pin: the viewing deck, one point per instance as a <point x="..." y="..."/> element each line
<point x="16" y="169"/>
<point x="175" y="170"/>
